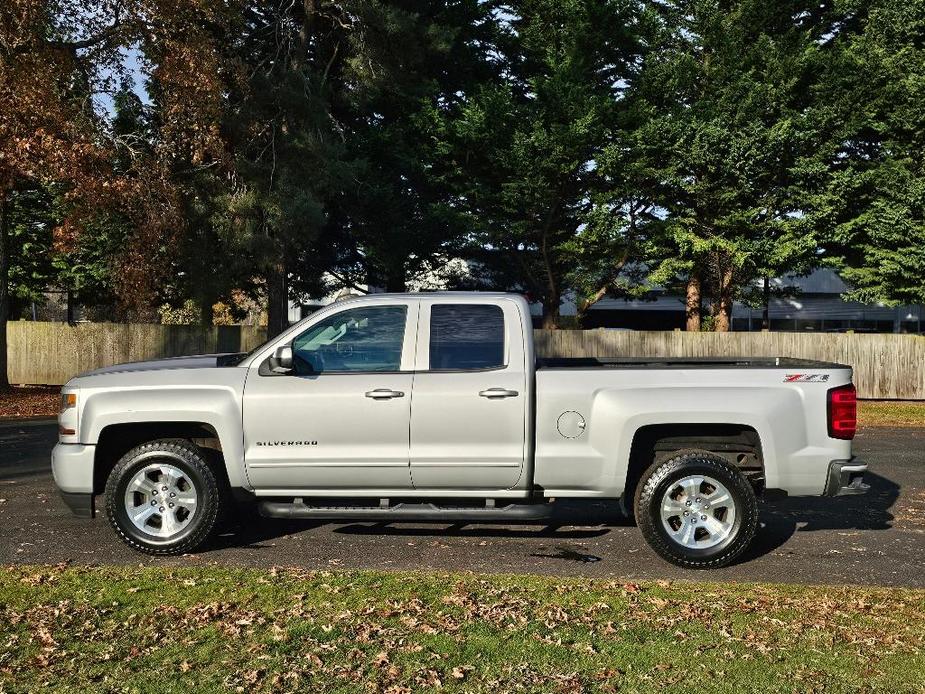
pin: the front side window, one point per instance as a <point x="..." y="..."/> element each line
<point x="358" y="339"/>
<point x="466" y="336"/>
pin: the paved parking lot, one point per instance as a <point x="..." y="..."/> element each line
<point x="877" y="539"/>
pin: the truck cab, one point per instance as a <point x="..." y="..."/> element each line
<point x="395" y="395"/>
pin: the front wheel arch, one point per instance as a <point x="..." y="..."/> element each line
<point x="115" y="440"/>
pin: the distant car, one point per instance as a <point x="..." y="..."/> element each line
<point x="432" y="407"/>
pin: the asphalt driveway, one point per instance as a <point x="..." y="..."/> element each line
<point x="876" y="539"/>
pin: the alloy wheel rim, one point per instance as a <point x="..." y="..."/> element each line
<point x="698" y="512"/>
<point x="161" y="500"/>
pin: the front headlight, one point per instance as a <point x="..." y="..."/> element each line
<point x="67" y="418"/>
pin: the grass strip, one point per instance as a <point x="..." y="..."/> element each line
<point x="217" y="629"/>
<point x="891" y="413"/>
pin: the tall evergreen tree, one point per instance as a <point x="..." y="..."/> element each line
<point x="729" y="145"/>
<point x="413" y="65"/>
<point x="533" y="138"/>
<point x="874" y="204"/>
<point x="287" y="148"/>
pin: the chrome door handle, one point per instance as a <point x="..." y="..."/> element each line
<point x="384" y="394"/>
<point x="498" y="393"/>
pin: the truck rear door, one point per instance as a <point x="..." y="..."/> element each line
<point x="469" y="405"/>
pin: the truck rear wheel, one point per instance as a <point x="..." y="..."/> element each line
<point x="696" y="510"/>
<point x="162" y="497"/>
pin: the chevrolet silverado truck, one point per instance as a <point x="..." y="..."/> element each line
<point x="433" y="407"/>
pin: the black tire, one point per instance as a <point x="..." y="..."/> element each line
<point x="658" y="480"/>
<point x="210" y="500"/>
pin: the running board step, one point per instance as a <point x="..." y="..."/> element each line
<point x="409" y="512"/>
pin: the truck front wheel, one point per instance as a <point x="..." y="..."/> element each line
<point x="696" y="510"/>
<point x="162" y="497"/>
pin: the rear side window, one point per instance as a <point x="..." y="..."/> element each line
<point x="466" y="336"/>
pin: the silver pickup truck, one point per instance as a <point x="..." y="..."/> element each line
<point x="433" y="407"/>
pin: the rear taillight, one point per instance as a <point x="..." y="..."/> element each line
<point x="843" y="412"/>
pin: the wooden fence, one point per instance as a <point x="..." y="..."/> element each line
<point x="885" y="366"/>
<point x="52" y="353"/>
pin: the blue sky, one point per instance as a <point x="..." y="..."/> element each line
<point x="132" y="60"/>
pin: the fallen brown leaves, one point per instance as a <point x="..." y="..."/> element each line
<point x="23" y="402"/>
<point x="290" y="630"/>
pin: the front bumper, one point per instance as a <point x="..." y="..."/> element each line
<point x="80" y="504"/>
<point x="846" y="477"/>
<point x="72" y="467"/>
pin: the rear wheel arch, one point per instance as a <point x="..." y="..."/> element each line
<point x="738" y="444"/>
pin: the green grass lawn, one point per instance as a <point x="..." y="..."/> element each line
<point x="192" y="630"/>
<point x="891" y="413"/>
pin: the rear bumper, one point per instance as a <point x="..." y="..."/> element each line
<point x="72" y="467"/>
<point x="846" y="477"/>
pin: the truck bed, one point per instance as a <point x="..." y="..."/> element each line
<point x="684" y="363"/>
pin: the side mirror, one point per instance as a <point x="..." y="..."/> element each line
<point x="282" y="359"/>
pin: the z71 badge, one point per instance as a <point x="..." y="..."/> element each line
<point x="806" y="378"/>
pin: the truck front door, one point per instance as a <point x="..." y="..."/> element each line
<point x="340" y="420"/>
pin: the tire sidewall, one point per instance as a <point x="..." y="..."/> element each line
<point x="665" y="475"/>
<point x="199" y="475"/>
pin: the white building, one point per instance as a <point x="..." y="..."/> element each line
<point x="816" y="305"/>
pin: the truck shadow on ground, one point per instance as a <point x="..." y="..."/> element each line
<point x="782" y="518"/>
<point x="254" y="535"/>
<point x="570" y="522"/>
<point x="575" y="520"/>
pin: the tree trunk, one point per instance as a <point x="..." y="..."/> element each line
<point x="766" y="312"/>
<point x="277" y="300"/>
<point x="4" y="287"/>
<point x="395" y="281"/>
<point x="724" y="308"/>
<point x="584" y="305"/>
<point x="553" y="297"/>
<point x="551" y="311"/>
<point x="692" y="305"/>
<point x="206" y="313"/>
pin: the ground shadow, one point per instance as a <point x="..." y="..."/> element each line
<point x="575" y="519"/>
<point x="569" y="554"/>
<point x="781" y="518"/>
<point x="248" y="529"/>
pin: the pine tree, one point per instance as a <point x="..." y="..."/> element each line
<point x="728" y="146"/>
<point x="413" y="66"/>
<point x="534" y="136"/>
<point x="874" y="203"/>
